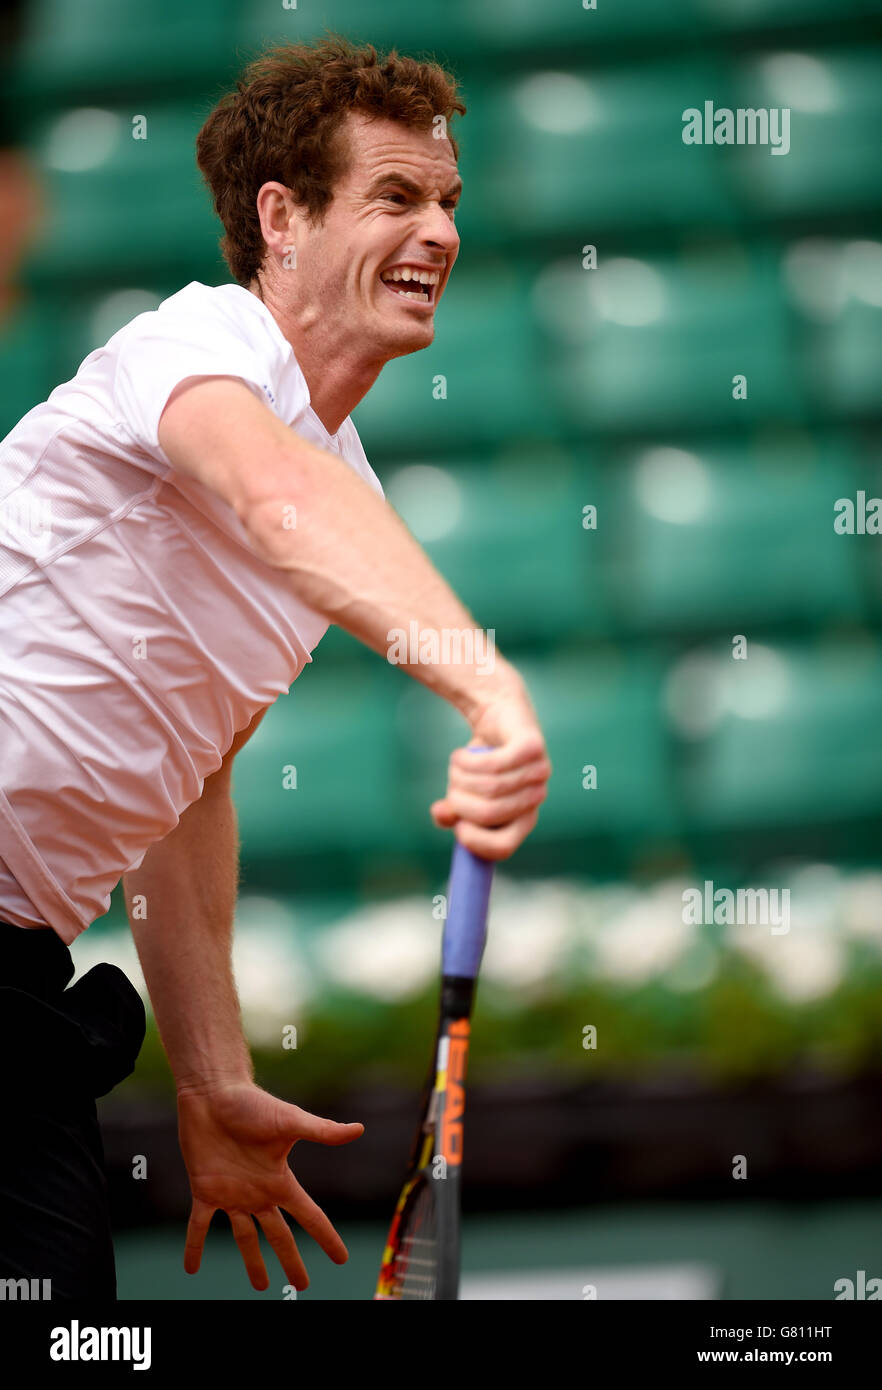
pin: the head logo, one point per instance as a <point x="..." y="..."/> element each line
<point x="454" y="1098"/>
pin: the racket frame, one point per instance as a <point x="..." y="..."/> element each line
<point x="437" y="1147"/>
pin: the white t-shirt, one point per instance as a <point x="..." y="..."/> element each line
<point x="139" y="631"/>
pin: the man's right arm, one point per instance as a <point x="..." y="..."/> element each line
<point x="351" y="558"/>
<point x="349" y="554"/>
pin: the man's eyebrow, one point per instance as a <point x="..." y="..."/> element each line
<point x="408" y="185"/>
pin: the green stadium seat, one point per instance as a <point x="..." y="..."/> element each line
<point x="725" y="536"/>
<point x="473" y="29"/>
<point x="412" y="29"/>
<point x="867" y="549"/>
<point x="120" y="206"/>
<point x="735" y="15"/>
<point x="28" y="361"/>
<point x="795" y="741"/>
<point x="846" y="360"/>
<point x="487" y="354"/>
<point x="644" y="343"/>
<point x="468" y="29"/>
<point x="835" y="157"/>
<point x="569" y="153"/>
<point x="101" y="46"/>
<point x="337" y="730"/>
<point x="602" y="709"/>
<point x="513" y="548"/>
<point x="524" y="25"/>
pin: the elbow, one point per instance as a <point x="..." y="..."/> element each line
<point x="270" y="523"/>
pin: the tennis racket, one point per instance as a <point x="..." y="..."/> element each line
<point x="421" y="1258"/>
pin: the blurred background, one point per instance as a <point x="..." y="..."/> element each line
<point x="623" y="1057"/>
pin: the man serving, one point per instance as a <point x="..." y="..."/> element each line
<point x="182" y="521"/>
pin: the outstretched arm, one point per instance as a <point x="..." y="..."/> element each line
<point x="181" y="905"/>
<point x="234" y="1136"/>
<point x="351" y="557"/>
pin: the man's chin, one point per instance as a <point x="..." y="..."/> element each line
<point x="408" y="337"/>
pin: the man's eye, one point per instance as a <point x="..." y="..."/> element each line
<point x="394" y="195"/>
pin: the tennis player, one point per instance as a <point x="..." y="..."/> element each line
<point x="182" y="521"/>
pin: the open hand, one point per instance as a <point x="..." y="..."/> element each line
<point x="235" y="1139"/>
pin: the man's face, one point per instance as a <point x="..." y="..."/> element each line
<point x="389" y="227"/>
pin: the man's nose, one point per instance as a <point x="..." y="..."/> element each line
<point x="438" y="230"/>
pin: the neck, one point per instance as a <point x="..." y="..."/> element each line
<point x="337" y="379"/>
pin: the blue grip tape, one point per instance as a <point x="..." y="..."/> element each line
<point x="468" y="898"/>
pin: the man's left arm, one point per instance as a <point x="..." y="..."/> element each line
<point x="235" y="1137"/>
<point x="182" y="925"/>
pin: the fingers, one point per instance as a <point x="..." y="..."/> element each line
<point x="495" y="844"/>
<point x="482" y="782"/>
<point x="320" y="1130"/>
<point x="249" y="1247"/>
<point x="310" y="1216"/>
<point x="197" y="1230"/>
<point x="245" y="1172"/>
<point x="489" y="798"/>
<point x="281" y="1238"/>
<point x="525" y="747"/>
<point x="503" y="786"/>
<point x="496" y="811"/>
<point x="442" y="814"/>
<point x="304" y="1210"/>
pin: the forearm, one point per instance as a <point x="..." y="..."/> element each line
<point x="182" y="924"/>
<point x="348" y="554"/>
<point x="351" y="557"/>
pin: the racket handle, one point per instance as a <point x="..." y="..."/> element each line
<point x="468" y="898"/>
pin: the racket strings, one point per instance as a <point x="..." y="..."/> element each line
<point x="416" y="1265"/>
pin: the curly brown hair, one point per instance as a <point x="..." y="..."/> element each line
<point x="282" y="123"/>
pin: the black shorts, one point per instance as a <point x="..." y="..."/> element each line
<point x="61" y="1049"/>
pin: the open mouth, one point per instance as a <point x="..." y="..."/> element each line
<point x="414" y="285"/>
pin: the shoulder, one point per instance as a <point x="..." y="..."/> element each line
<point x="193" y="298"/>
<point x="199" y="308"/>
